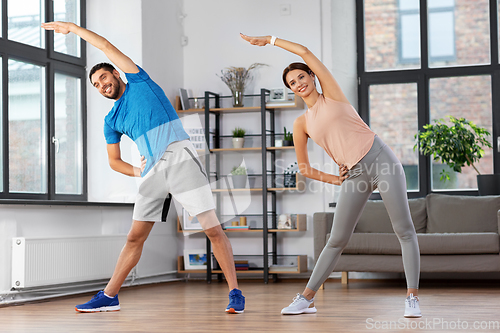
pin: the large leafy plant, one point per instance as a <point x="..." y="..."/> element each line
<point x="457" y="145"/>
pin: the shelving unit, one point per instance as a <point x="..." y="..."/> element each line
<point x="269" y="190"/>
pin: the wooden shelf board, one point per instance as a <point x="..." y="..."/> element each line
<point x="284" y="272"/>
<point x="219" y="190"/>
<point x="281" y="148"/>
<point x="283" y="189"/>
<point x="236" y="149"/>
<point x="191" y="111"/>
<point x="250" y="271"/>
<point x="243" y="230"/>
<point x="259" y="272"/>
<point x="298" y="103"/>
<point x="190" y="231"/>
<point x="236" y="110"/>
<point x="193" y="271"/>
<point x="283" y="230"/>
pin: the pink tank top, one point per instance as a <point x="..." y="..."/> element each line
<point x="339" y="130"/>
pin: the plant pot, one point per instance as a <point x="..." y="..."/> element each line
<point x="237" y="99"/>
<point x="251" y="182"/>
<point x="488" y="184"/>
<point x="239" y="181"/>
<point x="238" y="142"/>
<point x="287" y="143"/>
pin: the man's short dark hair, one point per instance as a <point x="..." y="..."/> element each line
<point x="107" y="66"/>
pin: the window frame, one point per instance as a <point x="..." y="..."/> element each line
<point x="422" y="77"/>
<point x="53" y="62"/>
<point x="402" y="12"/>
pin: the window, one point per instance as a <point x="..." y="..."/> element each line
<point x="468" y="97"/>
<point x="24" y="19"/>
<point x="68" y="136"/>
<point x="441" y="18"/>
<point x="42" y="150"/>
<point x="27" y="135"/>
<point x="393" y="115"/>
<point x="444" y="66"/>
<point x="441" y="31"/>
<point x="409" y="32"/>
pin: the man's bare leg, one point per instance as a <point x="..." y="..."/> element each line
<point x="130" y="255"/>
<point x="221" y="246"/>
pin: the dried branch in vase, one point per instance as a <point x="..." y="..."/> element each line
<point x="236" y="78"/>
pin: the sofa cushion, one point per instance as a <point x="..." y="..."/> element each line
<point x="454" y="213"/>
<point x="445" y="243"/>
<point x="376" y="219"/>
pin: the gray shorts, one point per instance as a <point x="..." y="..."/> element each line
<point x="180" y="173"/>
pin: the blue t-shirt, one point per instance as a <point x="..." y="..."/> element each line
<point x="144" y="114"/>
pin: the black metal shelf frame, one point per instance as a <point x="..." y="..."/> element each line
<point x="267" y="156"/>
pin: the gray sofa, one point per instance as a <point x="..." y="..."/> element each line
<point x="455" y="234"/>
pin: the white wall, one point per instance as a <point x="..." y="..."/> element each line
<point x="122" y="26"/>
<point x="149" y="32"/>
<point x="162" y="53"/>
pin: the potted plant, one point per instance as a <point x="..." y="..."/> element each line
<point x="238" y="137"/>
<point x="288" y="139"/>
<point x="239" y="176"/>
<point x="456" y="146"/>
<point x="237" y="78"/>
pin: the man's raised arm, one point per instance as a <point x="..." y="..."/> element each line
<point x="114" y="55"/>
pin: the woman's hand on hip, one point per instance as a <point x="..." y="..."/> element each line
<point x="259" y="41"/>
<point x="343" y="174"/>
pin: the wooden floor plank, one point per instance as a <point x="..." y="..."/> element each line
<point x="196" y="306"/>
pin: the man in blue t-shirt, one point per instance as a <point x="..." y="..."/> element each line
<point x="169" y="165"/>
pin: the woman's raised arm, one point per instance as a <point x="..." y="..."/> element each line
<point x="329" y="85"/>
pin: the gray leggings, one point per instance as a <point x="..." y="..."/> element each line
<point x="381" y="169"/>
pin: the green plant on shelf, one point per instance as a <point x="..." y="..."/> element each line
<point x="239" y="171"/>
<point x="288" y="136"/>
<point x="239" y="132"/>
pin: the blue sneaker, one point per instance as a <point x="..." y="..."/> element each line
<point x="100" y="303"/>
<point x="236" y="302"/>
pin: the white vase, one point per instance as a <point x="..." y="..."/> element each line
<point x="238" y="142"/>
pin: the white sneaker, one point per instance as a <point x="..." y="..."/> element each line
<point x="412" y="309"/>
<point x="299" y="305"/>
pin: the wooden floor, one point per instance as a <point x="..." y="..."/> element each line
<point x="194" y="306"/>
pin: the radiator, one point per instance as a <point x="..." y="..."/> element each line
<point x="44" y="262"/>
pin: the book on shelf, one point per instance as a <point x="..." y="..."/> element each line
<point x="241" y="261"/>
<point x="242" y="268"/>
<point x="241" y="265"/>
<point x="237" y="227"/>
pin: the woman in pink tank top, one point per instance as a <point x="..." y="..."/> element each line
<point x="365" y="164"/>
